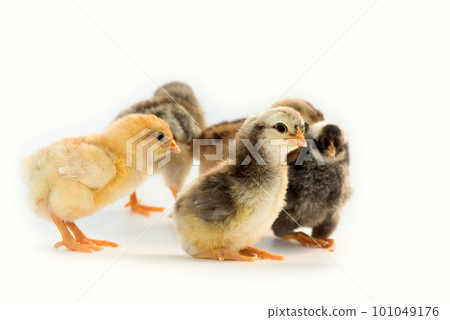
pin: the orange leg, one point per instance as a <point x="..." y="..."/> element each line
<point x="311" y="242"/>
<point x="175" y="194"/>
<point x="81" y="238"/>
<point x="223" y="254"/>
<point x="68" y="241"/>
<point x="261" y="254"/>
<point x="174" y="191"/>
<point x="137" y="207"/>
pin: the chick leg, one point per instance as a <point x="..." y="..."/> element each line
<point x="68" y="241"/>
<point x="174" y="191"/>
<point x="175" y="194"/>
<point x="311" y="242"/>
<point x="223" y="254"/>
<point x="261" y="254"/>
<point x="137" y="207"/>
<point x="81" y="238"/>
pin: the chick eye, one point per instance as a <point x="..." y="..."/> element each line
<point x="160" y="136"/>
<point x="281" y="127"/>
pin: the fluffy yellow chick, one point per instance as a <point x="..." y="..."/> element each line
<point x="76" y="177"/>
<point x="176" y="104"/>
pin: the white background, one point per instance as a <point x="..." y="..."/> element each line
<point x="385" y="80"/>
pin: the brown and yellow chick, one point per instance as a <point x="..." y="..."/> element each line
<point x="76" y="177"/>
<point x="233" y="205"/>
<point x="227" y="130"/>
<point x="310" y="114"/>
<point x="223" y="132"/>
<point x="177" y="105"/>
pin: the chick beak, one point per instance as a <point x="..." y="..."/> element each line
<point x="300" y="139"/>
<point x="173" y="147"/>
<point x="331" y="150"/>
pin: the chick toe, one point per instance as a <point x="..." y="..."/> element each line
<point x="223" y="254"/>
<point x="74" y="246"/>
<point x="137" y="207"/>
<point x="101" y="243"/>
<point x="311" y="242"/>
<point x="260" y="254"/>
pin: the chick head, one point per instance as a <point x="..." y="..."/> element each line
<point x="309" y="113"/>
<point x="144" y="131"/>
<point x="175" y="88"/>
<point x="330" y="139"/>
<point x="278" y="131"/>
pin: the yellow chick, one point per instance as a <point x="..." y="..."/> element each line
<point x="76" y="177"/>
<point x="232" y="206"/>
<point x="176" y="104"/>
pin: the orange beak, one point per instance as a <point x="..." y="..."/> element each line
<point x="300" y="139"/>
<point x="331" y="150"/>
<point x="173" y="147"/>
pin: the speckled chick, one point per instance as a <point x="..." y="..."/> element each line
<point x="76" y="177"/>
<point x="224" y="132"/>
<point x="310" y="114"/>
<point x="233" y="205"/>
<point x="317" y="190"/>
<point x="177" y="105"/>
<point x="227" y="130"/>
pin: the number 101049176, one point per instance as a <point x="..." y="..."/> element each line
<point x="405" y="311"/>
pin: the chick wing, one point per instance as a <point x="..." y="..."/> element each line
<point x="211" y="198"/>
<point x="89" y="164"/>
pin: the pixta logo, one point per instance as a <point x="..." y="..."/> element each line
<point x="141" y="151"/>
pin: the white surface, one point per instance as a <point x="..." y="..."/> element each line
<point x="386" y="81"/>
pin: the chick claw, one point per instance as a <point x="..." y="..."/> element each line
<point x="311" y="242"/>
<point x="137" y="207"/>
<point x="223" y="254"/>
<point x="260" y="254"/>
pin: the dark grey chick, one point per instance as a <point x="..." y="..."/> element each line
<point x="317" y="191"/>
<point x="176" y="104"/>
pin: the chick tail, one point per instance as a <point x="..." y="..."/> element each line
<point x="38" y="189"/>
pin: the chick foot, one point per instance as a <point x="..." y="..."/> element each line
<point x="260" y="254"/>
<point x="311" y="242"/>
<point x="68" y="241"/>
<point x="137" y="207"/>
<point x="81" y="238"/>
<point x="72" y="245"/>
<point x="223" y="254"/>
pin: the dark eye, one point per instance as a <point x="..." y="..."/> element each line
<point x="281" y="127"/>
<point x="160" y="136"/>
